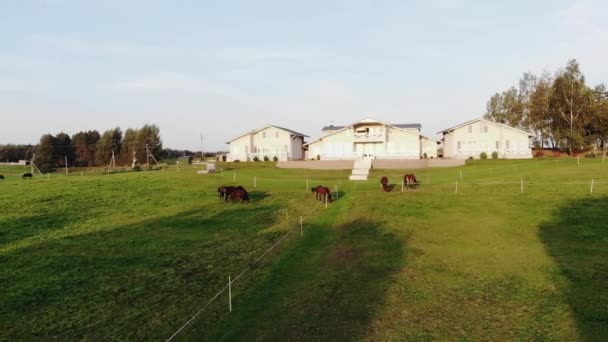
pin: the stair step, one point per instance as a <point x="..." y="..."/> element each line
<point x="360" y="172"/>
<point x="358" y="177"/>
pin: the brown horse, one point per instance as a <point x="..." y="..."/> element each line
<point x="27" y="175"/>
<point x="239" y="194"/>
<point x="321" y="192"/>
<point x="225" y="191"/>
<point x="410" y="181"/>
<point x="384" y="182"/>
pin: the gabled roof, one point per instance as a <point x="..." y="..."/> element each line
<point x="416" y="125"/>
<point x="486" y="121"/>
<point x="342" y="128"/>
<point x="331" y="128"/>
<point x="265" y="127"/>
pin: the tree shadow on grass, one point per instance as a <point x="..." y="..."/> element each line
<point x="138" y="281"/>
<point x="329" y="287"/>
<point x="577" y="240"/>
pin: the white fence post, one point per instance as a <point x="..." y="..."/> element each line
<point x="578" y="160"/>
<point x="301" y="226"/>
<point x="456" y="187"/>
<point x="255" y="181"/>
<point x="326" y="201"/>
<point x="402" y="185"/>
<point x="591" y="190"/>
<point x="307" y="185"/>
<point x="234" y="177"/>
<point x="229" y="294"/>
<point x="522" y="185"/>
<point x="461" y="175"/>
<point x="336" y="189"/>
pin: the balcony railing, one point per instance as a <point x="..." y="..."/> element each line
<point x="368" y="137"/>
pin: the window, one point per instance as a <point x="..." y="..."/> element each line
<point x="470" y="129"/>
<point x="484" y="129"/>
<point x="507" y="144"/>
<point x="458" y="144"/>
<point x="276" y="134"/>
<point x="498" y="145"/>
<point x="264" y="135"/>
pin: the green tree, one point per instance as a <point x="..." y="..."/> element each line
<point x="148" y="136"/>
<point x="111" y="140"/>
<point x="45" y="160"/>
<point x="539" y="119"/>
<point x="505" y="108"/>
<point x="129" y="145"/>
<point x="63" y="148"/>
<point x="84" y="147"/>
<point x="570" y="105"/>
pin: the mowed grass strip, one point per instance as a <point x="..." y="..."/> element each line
<point x="142" y="252"/>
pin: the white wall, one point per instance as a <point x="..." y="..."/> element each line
<point x="270" y="142"/>
<point x="381" y="142"/>
<point x="474" y="139"/>
<point x="429" y="147"/>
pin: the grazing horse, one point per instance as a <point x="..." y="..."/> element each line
<point x="321" y="192"/>
<point x="1" y="176"/>
<point x="27" y="175"/>
<point x="384" y="182"/>
<point x="223" y="191"/>
<point x="239" y="194"/>
<point x="410" y="181"/>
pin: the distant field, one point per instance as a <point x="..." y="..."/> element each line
<point x="466" y="255"/>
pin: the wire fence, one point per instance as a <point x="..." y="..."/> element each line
<point x="231" y="281"/>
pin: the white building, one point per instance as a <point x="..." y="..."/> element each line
<point x="472" y="138"/>
<point x="373" y="139"/>
<point x="270" y="141"/>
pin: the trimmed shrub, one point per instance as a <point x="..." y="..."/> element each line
<point x="237" y="161"/>
<point x="256" y="159"/>
<point x="318" y="157"/>
<point x="425" y="155"/>
<point x="266" y="158"/>
<point x="275" y="158"/>
<point x="483" y="155"/>
<point x="494" y="155"/>
<point x="470" y="157"/>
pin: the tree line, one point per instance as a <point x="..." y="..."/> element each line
<point x="561" y="110"/>
<point x="90" y="148"/>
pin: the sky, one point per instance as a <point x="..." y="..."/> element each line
<point x="222" y="68"/>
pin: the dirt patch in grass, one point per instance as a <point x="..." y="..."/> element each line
<point x="344" y="255"/>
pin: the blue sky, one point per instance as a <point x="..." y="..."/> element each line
<point x="224" y="67"/>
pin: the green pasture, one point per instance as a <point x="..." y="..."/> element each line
<point x="494" y="250"/>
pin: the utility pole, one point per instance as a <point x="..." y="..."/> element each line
<point x="134" y="159"/>
<point x="202" y="153"/>
<point x="147" y="155"/>
<point x="113" y="160"/>
<point x="32" y="163"/>
<point x="66" y="165"/>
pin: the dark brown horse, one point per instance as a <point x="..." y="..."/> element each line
<point x="239" y="194"/>
<point x="322" y="192"/>
<point x="27" y="175"/>
<point x="1" y="176"/>
<point x="410" y="181"/>
<point x="225" y="191"/>
<point x="384" y="182"/>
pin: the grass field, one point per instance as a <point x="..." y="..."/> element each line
<point x="466" y="256"/>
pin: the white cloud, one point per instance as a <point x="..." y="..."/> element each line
<point x="261" y="55"/>
<point x="101" y="48"/>
<point x="20" y="85"/>
<point x="578" y="12"/>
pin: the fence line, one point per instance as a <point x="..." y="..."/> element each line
<point x="231" y="281"/>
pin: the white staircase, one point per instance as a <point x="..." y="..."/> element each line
<point x="361" y="169"/>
